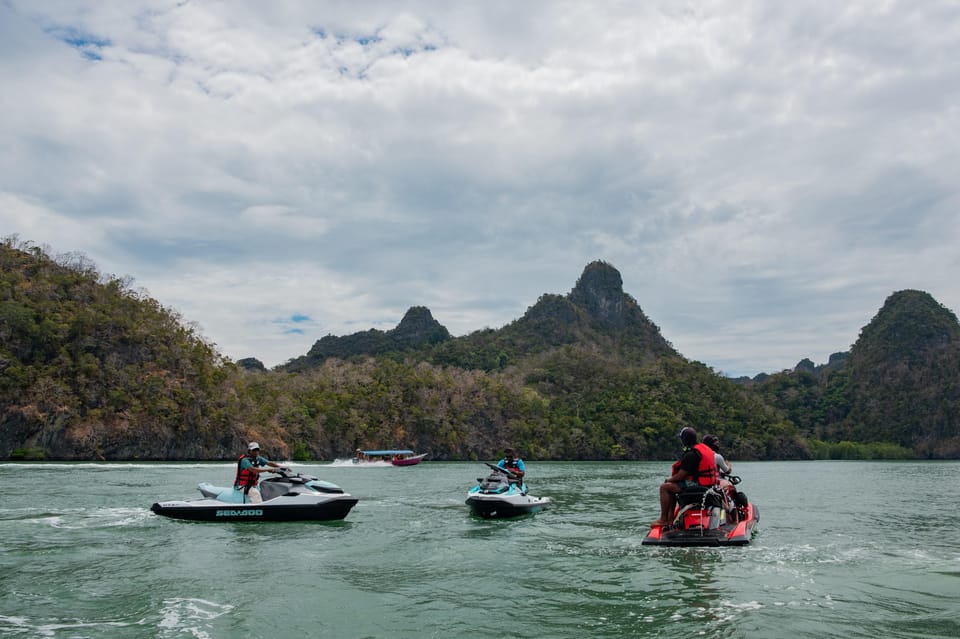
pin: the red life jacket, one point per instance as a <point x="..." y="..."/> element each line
<point x="246" y="478"/>
<point x="707" y="474"/>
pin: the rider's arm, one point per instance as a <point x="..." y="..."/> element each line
<point x="688" y="466"/>
<point x="267" y="466"/>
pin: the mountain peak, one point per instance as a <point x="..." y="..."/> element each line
<point x="418" y="327"/>
<point x="600" y="291"/>
<point x="910" y="323"/>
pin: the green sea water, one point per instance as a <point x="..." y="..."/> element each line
<point x="843" y="549"/>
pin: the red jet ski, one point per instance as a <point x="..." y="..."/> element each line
<point x="708" y="516"/>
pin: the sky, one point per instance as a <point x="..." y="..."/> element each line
<point x="763" y="175"/>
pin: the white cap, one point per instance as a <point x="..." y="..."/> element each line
<point x="253" y="445"/>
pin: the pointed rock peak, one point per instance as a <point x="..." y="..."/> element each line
<point x="598" y="279"/>
<point x="417" y="316"/>
<point x="600" y="291"/>
<point x="418" y="326"/>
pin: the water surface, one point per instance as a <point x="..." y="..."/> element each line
<point x="844" y="549"/>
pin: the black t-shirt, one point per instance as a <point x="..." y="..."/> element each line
<point x="690" y="462"/>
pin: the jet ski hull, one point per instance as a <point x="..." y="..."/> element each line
<point x="730" y="533"/>
<point x="501" y="494"/>
<point x="279" y="509"/>
<point x="496" y="507"/>
<point x="289" y="497"/>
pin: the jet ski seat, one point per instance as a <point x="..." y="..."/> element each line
<point x="695" y="496"/>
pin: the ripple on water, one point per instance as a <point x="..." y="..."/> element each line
<point x="195" y="617"/>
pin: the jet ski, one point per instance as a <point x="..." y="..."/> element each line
<point x="496" y="496"/>
<point x="288" y="497"/>
<point x="708" y="516"/>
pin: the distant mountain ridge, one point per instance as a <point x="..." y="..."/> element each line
<point x="418" y="329"/>
<point x="597" y="311"/>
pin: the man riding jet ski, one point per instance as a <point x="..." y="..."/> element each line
<point x="503" y="492"/>
<point x="695" y="508"/>
<point x="288" y="497"/>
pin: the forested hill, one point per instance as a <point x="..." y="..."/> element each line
<point x="92" y="369"/>
<point x="899" y="384"/>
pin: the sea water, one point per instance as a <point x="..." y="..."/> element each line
<point x="843" y="549"/>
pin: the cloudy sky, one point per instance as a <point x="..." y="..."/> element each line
<point x="762" y="174"/>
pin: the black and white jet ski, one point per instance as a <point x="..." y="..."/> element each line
<point x="287" y="497"/>
<point x="495" y="496"/>
<point x="708" y="516"/>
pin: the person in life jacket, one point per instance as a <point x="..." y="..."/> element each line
<point x="514" y="464"/>
<point x="696" y="467"/>
<point x="723" y="466"/>
<point x="249" y="466"/>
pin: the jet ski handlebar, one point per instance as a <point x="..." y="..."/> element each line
<point x="733" y="479"/>
<point x="505" y="471"/>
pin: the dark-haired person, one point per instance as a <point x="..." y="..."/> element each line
<point x="249" y="467"/>
<point x="514" y="464"/>
<point x="723" y="466"/>
<point x="696" y="467"/>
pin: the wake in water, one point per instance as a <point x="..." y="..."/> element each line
<point x="178" y="617"/>
<point x="77" y="518"/>
<point x="349" y="463"/>
<point x="41" y="466"/>
<point x="24" y="626"/>
<point x="191" y="615"/>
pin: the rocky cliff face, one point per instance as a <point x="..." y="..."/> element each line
<point x="417" y="328"/>
<point x="600" y="291"/>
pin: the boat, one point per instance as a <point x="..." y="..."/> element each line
<point x="708" y="516"/>
<point x="497" y="497"/>
<point x="395" y="457"/>
<point x="411" y="460"/>
<point x="288" y="497"/>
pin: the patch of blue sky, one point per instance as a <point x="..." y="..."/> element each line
<point x="340" y="38"/>
<point x="87" y="44"/>
<point x="290" y="325"/>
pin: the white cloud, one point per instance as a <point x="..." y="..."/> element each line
<point x="763" y="175"/>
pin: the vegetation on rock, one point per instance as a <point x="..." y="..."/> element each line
<point x="92" y="369"/>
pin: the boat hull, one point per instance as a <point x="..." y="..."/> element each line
<point x="496" y="507"/>
<point x="279" y="509"/>
<point x="409" y="461"/>
<point x="730" y="533"/>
